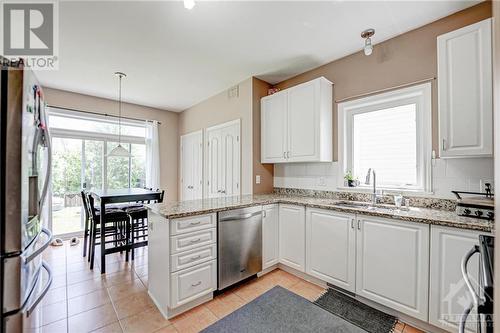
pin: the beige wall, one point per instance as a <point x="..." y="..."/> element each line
<point x="168" y="130"/>
<point x="401" y="60"/>
<point x="265" y="171"/>
<point x="220" y="109"/>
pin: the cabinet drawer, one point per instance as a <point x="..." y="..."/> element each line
<point x="191" y="258"/>
<point x="191" y="241"/>
<point x="191" y="224"/>
<point x="192" y="283"/>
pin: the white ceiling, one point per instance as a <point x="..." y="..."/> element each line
<point x="175" y="58"/>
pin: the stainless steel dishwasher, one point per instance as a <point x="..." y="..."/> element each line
<point x="239" y="245"/>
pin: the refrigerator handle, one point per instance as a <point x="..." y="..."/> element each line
<point x="45" y="289"/>
<point x="475" y="297"/>
<point x="41" y="248"/>
<point x="48" y="143"/>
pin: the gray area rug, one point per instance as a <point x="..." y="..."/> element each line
<point x="280" y="310"/>
<point x="362" y="315"/>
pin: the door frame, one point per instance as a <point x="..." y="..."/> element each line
<point x="235" y="122"/>
<point x="202" y="153"/>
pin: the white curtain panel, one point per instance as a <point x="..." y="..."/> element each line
<point x="152" y="155"/>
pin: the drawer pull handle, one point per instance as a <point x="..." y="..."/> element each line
<point x="195" y="240"/>
<point x="195" y="223"/>
<point x="196" y="284"/>
<point x="195" y="258"/>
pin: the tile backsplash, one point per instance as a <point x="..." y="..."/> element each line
<point x="465" y="174"/>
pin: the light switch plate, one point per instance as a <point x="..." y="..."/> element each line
<point x="257" y="179"/>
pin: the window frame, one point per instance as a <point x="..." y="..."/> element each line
<point x="420" y="95"/>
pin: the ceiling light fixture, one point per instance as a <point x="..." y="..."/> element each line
<point x="119" y="151"/>
<point x="189" y="4"/>
<point x="367" y="34"/>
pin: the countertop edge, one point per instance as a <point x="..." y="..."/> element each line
<point x="389" y="215"/>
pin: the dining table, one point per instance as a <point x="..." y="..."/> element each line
<point x="114" y="196"/>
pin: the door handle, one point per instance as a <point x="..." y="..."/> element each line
<point x="196" y="284"/>
<point x="195" y="223"/>
<point x="352" y="223"/>
<point x="195" y="240"/>
<point x="196" y="258"/>
<point x="223" y="191"/>
<point x="288" y="154"/>
<point x="359" y="224"/>
<point x="474" y="295"/>
<point x="443" y="144"/>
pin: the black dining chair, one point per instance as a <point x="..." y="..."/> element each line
<point x="139" y="224"/>
<point x="115" y="224"/>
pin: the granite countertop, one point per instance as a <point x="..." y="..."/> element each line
<point x="177" y="209"/>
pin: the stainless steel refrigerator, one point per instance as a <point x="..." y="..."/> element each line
<point x="25" y="160"/>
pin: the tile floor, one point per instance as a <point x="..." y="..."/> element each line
<point x="81" y="300"/>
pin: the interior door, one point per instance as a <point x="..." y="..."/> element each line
<point x="223" y="160"/>
<point x="214" y="163"/>
<point x="191" y="161"/>
<point x="230" y="138"/>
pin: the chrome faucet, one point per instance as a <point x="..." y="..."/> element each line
<point x="367" y="182"/>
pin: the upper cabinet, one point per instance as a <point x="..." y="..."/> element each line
<point x="465" y="91"/>
<point x="297" y="124"/>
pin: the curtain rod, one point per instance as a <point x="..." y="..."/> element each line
<point x="384" y="90"/>
<point x="101" y="114"/>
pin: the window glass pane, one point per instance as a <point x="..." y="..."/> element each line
<point x="118" y="168"/>
<point x="138" y="166"/>
<point x="93" y="164"/>
<point x="99" y="126"/>
<point x="386" y="140"/>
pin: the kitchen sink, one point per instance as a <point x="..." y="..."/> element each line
<point x="364" y="205"/>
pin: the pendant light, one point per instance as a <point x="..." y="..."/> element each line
<point x="367" y="34"/>
<point x="119" y="151"/>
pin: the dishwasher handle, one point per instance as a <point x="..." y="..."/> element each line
<point x="239" y="217"/>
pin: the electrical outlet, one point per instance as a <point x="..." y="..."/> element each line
<point x="321" y="181"/>
<point x="257" y="179"/>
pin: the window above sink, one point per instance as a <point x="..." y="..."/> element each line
<point x="391" y="133"/>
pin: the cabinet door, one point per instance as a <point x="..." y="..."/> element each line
<point x="292" y="236"/>
<point x="303" y="129"/>
<point x="447" y="286"/>
<point x="274" y="128"/>
<point x="270" y="236"/>
<point x="392" y="266"/>
<point x="191" y="166"/>
<point x="465" y="91"/>
<point x="331" y="247"/>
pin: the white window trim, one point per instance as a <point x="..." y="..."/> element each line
<point x="421" y="96"/>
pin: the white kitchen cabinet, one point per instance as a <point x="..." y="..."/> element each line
<point x="465" y="91"/>
<point x="331" y="247"/>
<point x="297" y="124"/>
<point x="392" y="264"/>
<point x="192" y="166"/>
<point x="274" y="127"/>
<point x="447" y="286"/>
<point x="192" y="283"/>
<point x="292" y="236"/>
<point x="270" y="236"/>
<point x="223" y="160"/>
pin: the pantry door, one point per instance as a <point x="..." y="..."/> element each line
<point x="223" y="160"/>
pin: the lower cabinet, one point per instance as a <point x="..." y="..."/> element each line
<point x="292" y="249"/>
<point x="270" y="236"/>
<point x="331" y="247"/>
<point x="392" y="264"/>
<point x="189" y="284"/>
<point x="447" y="286"/>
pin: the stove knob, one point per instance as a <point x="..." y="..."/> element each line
<point x="467" y="211"/>
<point x="478" y="213"/>
<point x="491" y="215"/>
